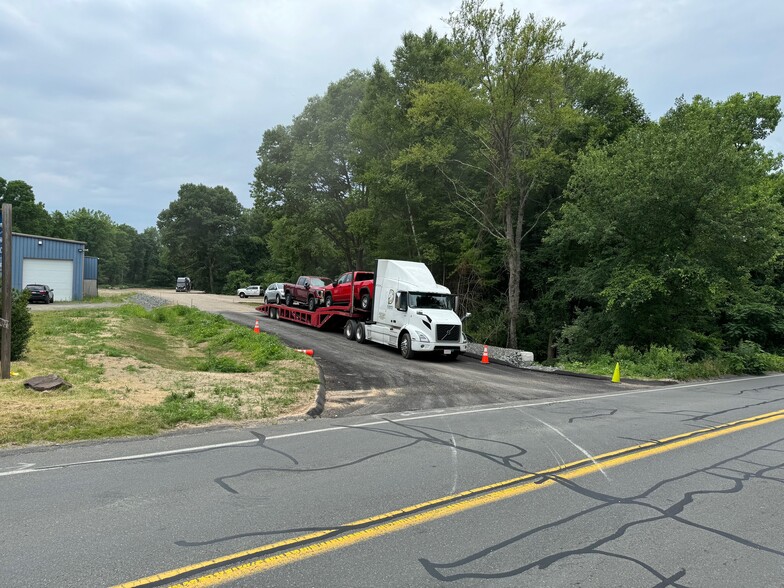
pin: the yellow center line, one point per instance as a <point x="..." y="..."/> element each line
<point x="401" y="519"/>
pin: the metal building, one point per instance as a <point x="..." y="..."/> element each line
<point x="58" y="263"/>
<point x="90" y="276"/>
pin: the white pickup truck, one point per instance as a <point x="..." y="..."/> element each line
<point x="250" y="291"/>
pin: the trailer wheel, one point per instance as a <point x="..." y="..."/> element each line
<point x="359" y="335"/>
<point x="365" y="301"/>
<point x="350" y="329"/>
<point x="405" y="346"/>
<point x="277" y="314"/>
<point x="289" y="299"/>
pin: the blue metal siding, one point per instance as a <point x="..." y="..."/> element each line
<point x="90" y="268"/>
<point x="27" y="247"/>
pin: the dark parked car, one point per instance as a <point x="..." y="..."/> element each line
<point x="40" y="293"/>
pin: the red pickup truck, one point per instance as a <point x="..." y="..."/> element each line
<point x="339" y="292"/>
<point x="308" y="290"/>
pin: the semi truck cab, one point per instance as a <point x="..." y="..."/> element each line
<point x="412" y="312"/>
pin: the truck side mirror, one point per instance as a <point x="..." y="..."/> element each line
<point x="465" y="317"/>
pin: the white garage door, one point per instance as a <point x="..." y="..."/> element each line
<point x="55" y="273"/>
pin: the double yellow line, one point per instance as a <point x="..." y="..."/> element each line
<point x="259" y="559"/>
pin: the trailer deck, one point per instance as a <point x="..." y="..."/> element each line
<point x="329" y="317"/>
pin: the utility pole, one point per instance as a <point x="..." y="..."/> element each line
<point x="5" y="321"/>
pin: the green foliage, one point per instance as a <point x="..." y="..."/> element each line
<point x="199" y="229"/>
<point x="222" y="363"/>
<point x="21" y="324"/>
<point x="666" y="233"/>
<point x="185" y="408"/>
<point x="748" y="358"/>
<point x="28" y="216"/>
<point x="307" y="186"/>
<point x="236" y="279"/>
<point x="664" y="362"/>
<point x="221" y="337"/>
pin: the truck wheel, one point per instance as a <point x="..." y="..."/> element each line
<point x="405" y="346"/>
<point x="328" y="300"/>
<point x="360" y="333"/>
<point x="242" y="295"/>
<point x="350" y="329"/>
<point x="289" y="299"/>
<point x="311" y="303"/>
<point x="364" y="302"/>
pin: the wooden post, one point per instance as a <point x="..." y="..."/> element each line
<point x="5" y="322"/>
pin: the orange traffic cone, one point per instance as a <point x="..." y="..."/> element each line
<point x="485" y="358"/>
<point x="256" y="328"/>
<point x="305" y="351"/>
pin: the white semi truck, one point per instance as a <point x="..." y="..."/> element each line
<point x="410" y="312"/>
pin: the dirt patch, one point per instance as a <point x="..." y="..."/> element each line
<point x="134" y="383"/>
<point x="200" y="300"/>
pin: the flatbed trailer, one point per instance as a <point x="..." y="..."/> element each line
<point x="326" y="317"/>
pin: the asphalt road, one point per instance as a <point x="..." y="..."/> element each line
<point x="371" y="378"/>
<point x="668" y="486"/>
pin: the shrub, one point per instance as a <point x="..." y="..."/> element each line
<point x="752" y="358"/>
<point x="665" y="359"/>
<point x="626" y="353"/>
<point x="236" y="279"/>
<point x="21" y="324"/>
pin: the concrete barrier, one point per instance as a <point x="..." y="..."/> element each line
<point x="513" y="357"/>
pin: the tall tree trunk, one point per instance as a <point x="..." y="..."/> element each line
<point x="513" y="261"/>
<point x="551" y="345"/>
<point x="513" y="224"/>
<point x="413" y="230"/>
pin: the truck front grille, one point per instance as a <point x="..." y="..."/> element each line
<point x="447" y="332"/>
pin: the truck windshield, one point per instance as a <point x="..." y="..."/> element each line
<point x="437" y="301"/>
<point x="317" y="282"/>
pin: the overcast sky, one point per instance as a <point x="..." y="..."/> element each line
<point x="112" y="105"/>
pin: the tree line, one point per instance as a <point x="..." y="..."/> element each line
<point x="525" y="175"/>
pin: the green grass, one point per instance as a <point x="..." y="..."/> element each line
<point x="184" y="408"/>
<point x="136" y="372"/>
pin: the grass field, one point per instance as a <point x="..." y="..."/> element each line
<point x="137" y="372"/>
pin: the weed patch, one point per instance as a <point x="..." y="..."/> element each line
<point x="136" y="372"/>
<point x="666" y="363"/>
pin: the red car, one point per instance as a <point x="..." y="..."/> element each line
<point x="339" y="292"/>
<point x="308" y="290"/>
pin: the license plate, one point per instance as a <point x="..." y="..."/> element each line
<point x="448" y="351"/>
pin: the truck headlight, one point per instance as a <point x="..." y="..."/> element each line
<point x="422" y="337"/>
